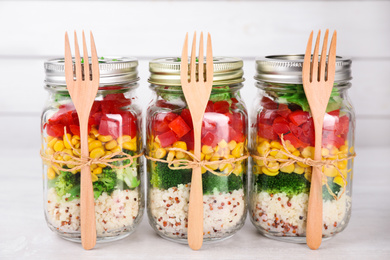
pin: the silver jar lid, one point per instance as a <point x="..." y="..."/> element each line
<point x="113" y="70"/>
<point x="166" y="71"/>
<point x="288" y="69"/>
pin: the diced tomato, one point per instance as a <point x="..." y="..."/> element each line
<point x="238" y="122"/>
<point x="235" y="135"/>
<point x="267" y="132"/>
<point x="169" y="117"/>
<point x="130" y="129"/>
<point x="343" y="126"/>
<point x="335" y="113"/>
<point x="283" y="110"/>
<point x="296" y="130"/>
<point x="97" y="117"/>
<point x="109" y="126"/>
<point x="221" y="107"/>
<point x="329" y="138"/>
<point x="189" y="140"/>
<point x="179" y="126"/>
<point x="294" y="140"/>
<point x="167" y="138"/>
<point x="209" y="139"/>
<point x="267" y="116"/>
<point x="280" y="125"/>
<point x="96" y="106"/>
<point x="75" y="129"/>
<point x="308" y="131"/>
<point x="298" y="117"/>
<point x="210" y="107"/>
<point x="55" y="130"/>
<point x="186" y="115"/>
<point x="230" y="118"/>
<point x="234" y="100"/>
<point x="268" y="103"/>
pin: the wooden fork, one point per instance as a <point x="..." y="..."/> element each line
<point x="197" y="94"/>
<point x="83" y="91"/>
<point x="318" y="84"/>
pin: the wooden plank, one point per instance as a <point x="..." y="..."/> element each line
<point x="157" y="28"/>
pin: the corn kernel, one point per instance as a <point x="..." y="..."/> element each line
<point x="308" y="152"/>
<point x="48" y="139"/>
<point x="222" y="143"/>
<point x="343" y="149"/>
<point x="228" y="168"/>
<point x="97" y="171"/>
<point x="49" y="151"/>
<point x="339" y="180"/>
<point x="180" y="155"/>
<point x="268" y="172"/>
<point x="69" y="154"/>
<point x="276" y="144"/>
<point x="238" y="169"/>
<point x="77" y="146"/>
<point x="232" y="144"/>
<point x="127" y="138"/>
<point x="330" y="171"/>
<point x="75" y="139"/>
<point x="289" y="146"/>
<point x="274" y="152"/>
<point x="134" y="139"/>
<point x="107" y="153"/>
<point x="206" y="149"/>
<point x="102" y="165"/>
<point x="204" y="170"/>
<point x="342" y="164"/>
<point x="70" y="166"/>
<point x="351" y="150"/>
<point x="207" y="157"/>
<point x="302" y="165"/>
<point x="155" y="146"/>
<point x="51" y="174"/>
<point x="94" y="144"/>
<point x="90" y="140"/>
<point x="259" y="162"/>
<point x="324" y="152"/>
<point x="130" y="146"/>
<point x="288" y="169"/>
<point x="280" y="155"/>
<point x="93" y="166"/>
<point x="58" y="146"/>
<point x="76" y="152"/>
<point x="160" y="153"/>
<point x="333" y="150"/>
<point x="213" y="166"/>
<point x="105" y="138"/>
<point x="263" y="147"/>
<point x="308" y="176"/>
<point x="238" y="151"/>
<point x="52" y="142"/>
<point x="273" y="166"/>
<point x="111" y="145"/>
<point x="171" y="156"/>
<point x="94" y="177"/>
<point x="298" y="169"/>
<point x="296" y="153"/>
<point x="67" y="139"/>
<point x="256" y="169"/>
<point x="116" y="149"/>
<point x="94" y="132"/>
<point x="180" y="145"/>
<point x="97" y="153"/>
<point x="201" y="155"/>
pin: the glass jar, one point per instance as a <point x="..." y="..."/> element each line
<point x="279" y="193"/>
<point x="224" y="136"/>
<point x="115" y="125"/>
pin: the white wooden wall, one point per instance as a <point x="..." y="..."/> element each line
<point x="32" y="31"/>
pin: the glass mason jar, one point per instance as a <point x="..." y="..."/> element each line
<point x="115" y="125"/>
<point x="224" y="136"/>
<point x="279" y="194"/>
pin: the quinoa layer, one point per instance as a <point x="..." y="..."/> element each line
<point x="223" y="213"/>
<point x="113" y="212"/>
<point x="280" y="215"/>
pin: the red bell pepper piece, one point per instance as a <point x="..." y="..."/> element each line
<point x="75" y="129"/>
<point x="209" y="139"/>
<point x="179" y="126"/>
<point x="343" y="126"/>
<point x="267" y="116"/>
<point x="189" y="140"/>
<point x="55" y="130"/>
<point x="109" y="126"/>
<point x="167" y="138"/>
<point x="283" y="110"/>
<point x="298" y="117"/>
<point x="280" y="125"/>
<point x="267" y="132"/>
<point x="268" y="103"/>
<point x="210" y="107"/>
<point x="221" y="107"/>
<point x="186" y="115"/>
<point x="294" y="140"/>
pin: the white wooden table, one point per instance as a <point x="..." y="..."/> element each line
<point x="24" y="233"/>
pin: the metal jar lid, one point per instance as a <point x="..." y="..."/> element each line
<point x="113" y="70"/>
<point x="288" y="69"/>
<point x="166" y="71"/>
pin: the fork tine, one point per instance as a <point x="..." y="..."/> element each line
<point x="193" y="60"/>
<point x="94" y="59"/>
<point x="332" y="58"/>
<point x="209" y="60"/>
<point x="68" y="62"/>
<point x="86" y="60"/>
<point x="306" y="62"/>
<point x="184" y="61"/>
<point x="321" y="75"/>
<point x="314" y="62"/>
<point x="77" y="58"/>
<point x="200" y="59"/>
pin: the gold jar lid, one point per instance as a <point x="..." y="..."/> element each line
<point x="166" y="71"/>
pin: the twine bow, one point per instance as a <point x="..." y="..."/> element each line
<point x="196" y="162"/>
<point x="308" y="161"/>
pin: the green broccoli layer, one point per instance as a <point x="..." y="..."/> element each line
<point x="289" y="183"/>
<point x="164" y="178"/>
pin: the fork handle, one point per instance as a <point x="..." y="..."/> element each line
<point x="87" y="201"/>
<point x="195" y="210"/>
<point x="314" y="214"/>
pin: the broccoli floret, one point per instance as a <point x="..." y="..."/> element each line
<point x="289" y="183"/>
<point x="106" y="182"/>
<point x="128" y="175"/>
<point x="165" y="178"/>
<point x="213" y="183"/>
<point x="68" y="183"/>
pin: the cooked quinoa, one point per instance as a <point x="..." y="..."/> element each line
<point x="222" y="212"/>
<point x="283" y="216"/>
<point x="113" y="212"/>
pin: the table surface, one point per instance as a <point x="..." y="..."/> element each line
<point x="24" y="233"/>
